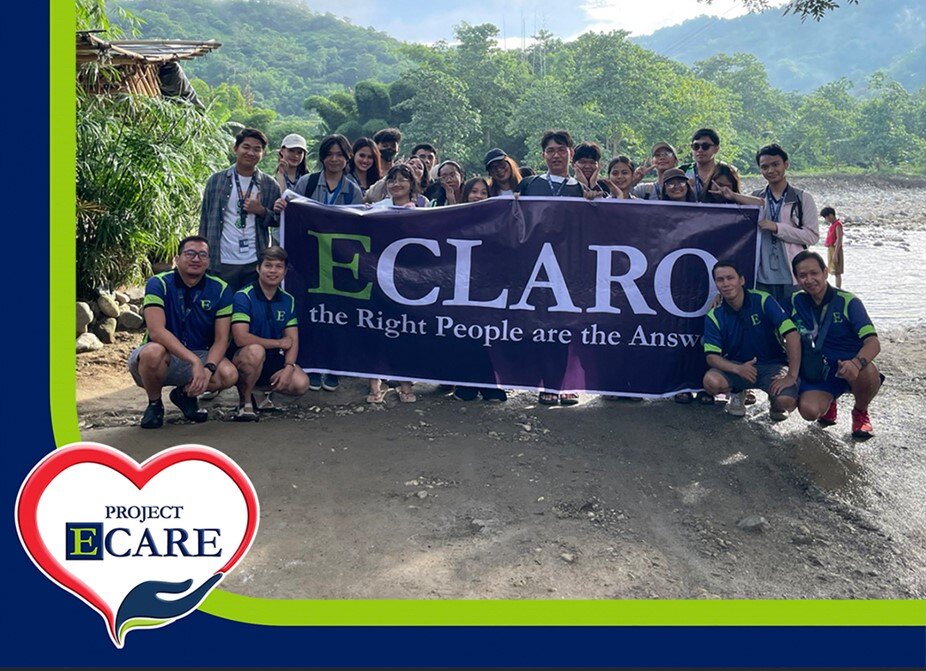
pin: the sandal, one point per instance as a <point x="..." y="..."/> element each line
<point x="266" y="404"/>
<point x="684" y="397"/>
<point x="377" y="396"/>
<point x="750" y="398"/>
<point x="546" y="398"/>
<point x="568" y="399"/>
<point x="705" y="399"/>
<point x="246" y="413"/>
<point x="407" y="396"/>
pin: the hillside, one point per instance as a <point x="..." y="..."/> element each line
<point x="875" y="34"/>
<point x="278" y="51"/>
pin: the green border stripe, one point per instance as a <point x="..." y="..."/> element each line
<point x="62" y="398"/>
<point x="539" y="612"/>
<point x="62" y="323"/>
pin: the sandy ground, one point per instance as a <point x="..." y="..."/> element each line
<point x="444" y="499"/>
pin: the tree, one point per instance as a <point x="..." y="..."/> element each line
<point x="816" y="9"/>
<point x="372" y="100"/>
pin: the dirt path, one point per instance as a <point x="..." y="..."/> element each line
<point x="444" y="499"/>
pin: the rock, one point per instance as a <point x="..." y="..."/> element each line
<point x="87" y="342"/>
<point x="135" y="308"/>
<point x="752" y="523"/>
<point x="136" y="295"/>
<point x="84" y="317"/>
<point x="105" y="330"/>
<point x="122" y="298"/>
<point x="422" y="494"/>
<point x="567" y="557"/>
<point x="129" y="321"/>
<point x="108" y="306"/>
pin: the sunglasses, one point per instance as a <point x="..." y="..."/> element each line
<point x="703" y="146"/>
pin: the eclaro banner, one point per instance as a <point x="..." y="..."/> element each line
<point x="556" y="294"/>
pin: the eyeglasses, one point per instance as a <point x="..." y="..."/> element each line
<point x="447" y="178"/>
<point x="556" y="151"/>
<point x="192" y="254"/>
<point x="663" y="154"/>
<point x="703" y="146"/>
<point x="676" y="184"/>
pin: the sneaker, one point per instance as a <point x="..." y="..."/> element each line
<point x="778" y="415"/>
<point x="315" y="381"/>
<point x="736" y="405"/>
<point x="829" y="417"/>
<point x="208" y="395"/>
<point x="330" y="382"/>
<point x="861" y="424"/>
<point x="465" y="393"/>
<point x="154" y="415"/>
<point x="188" y="405"/>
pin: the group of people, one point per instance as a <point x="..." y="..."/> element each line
<point x="220" y="318"/>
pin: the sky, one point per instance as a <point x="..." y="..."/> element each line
<point x="429" y="21"/>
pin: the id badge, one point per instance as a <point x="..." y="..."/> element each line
<point x="244" y="244"/>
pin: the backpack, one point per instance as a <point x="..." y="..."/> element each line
<point x="797" y="198"/>
<point x="312" y="184"/>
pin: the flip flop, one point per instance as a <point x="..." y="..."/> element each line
<point x="245" y="415"/>
<point x="568" y="399"/>
<point x="377" y="397"/>
<point x="407" y="396"/>
<point x="266" y="404"/>
<point x="705" y="399"/>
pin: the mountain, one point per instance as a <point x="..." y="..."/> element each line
<point x="276" y="49"/>
<point x="873" y="35"/>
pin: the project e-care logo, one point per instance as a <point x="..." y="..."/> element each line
<point x="141" y="544"/>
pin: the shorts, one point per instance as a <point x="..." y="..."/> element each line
<point x="274" y="360"/>
<point x="765" y="373"/>
<point x="832" y="385"/>
<point x="179" y="372"/>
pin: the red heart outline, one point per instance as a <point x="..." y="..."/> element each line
<point x="60" y="460"/>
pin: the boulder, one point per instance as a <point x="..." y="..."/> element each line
<point x="136" y="294"/>
<point x="87" y="342"/>
<point x="84" y="317"/>
<point x="105" y="330"/>
<point x="130" y="321"/>
<point x="121" y="297"/>
<point x="108" y="306"/>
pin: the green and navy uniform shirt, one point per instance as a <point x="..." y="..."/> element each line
<point x="849" y="321"/>
<point x="189" y="312"/>
<point x="265" y="318"/>
<point x="754" y="331"/>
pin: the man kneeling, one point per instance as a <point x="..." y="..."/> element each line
<point x="742" y="341"/>
<point x="265" y="330"/>
<point x="835" y="326"/>
<point x="187" y="316"/>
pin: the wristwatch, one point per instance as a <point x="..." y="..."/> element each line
<point x="210" y="366"/>
<point x="863" y="362"/>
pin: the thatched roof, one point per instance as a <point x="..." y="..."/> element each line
<point x="146" y="67"/>
<point x="126" y="52"/>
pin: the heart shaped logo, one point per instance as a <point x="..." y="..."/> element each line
<point x="141" y="544"/>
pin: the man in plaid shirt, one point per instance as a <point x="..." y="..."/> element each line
<point x="237" y="212"/>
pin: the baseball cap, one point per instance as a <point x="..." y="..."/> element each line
<point x="494" y="155"/>
<point x="663" y="145"/>
<point x="294" y="141"/>
<point x="672" y="173"/>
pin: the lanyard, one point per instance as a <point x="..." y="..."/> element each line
<point x="185" y="310"/>
<point x="699" y="185"/>
<point x="562" y="185"/>
<point x="242" y="197"/>
<point x="332" y="198"/>
<point x="774" y="206"/>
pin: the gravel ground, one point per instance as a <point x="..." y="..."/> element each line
<point x="444" y="499"/>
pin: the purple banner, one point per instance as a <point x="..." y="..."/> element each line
<point x="557" y="294"/>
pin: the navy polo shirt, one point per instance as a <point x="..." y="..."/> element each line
<point x="190" y="312"/>
<point x="849" y="321"/>
<point x="266" y="318"/>
<point x="753" y="331"/>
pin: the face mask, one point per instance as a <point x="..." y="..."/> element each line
<point x="387" y="154"/>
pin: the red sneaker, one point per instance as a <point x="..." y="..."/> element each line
<point x="861" y="424"/>
<point x="829" y="417"/>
